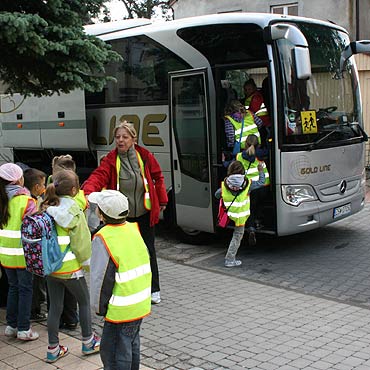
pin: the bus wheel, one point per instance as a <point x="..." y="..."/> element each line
<point x="192" y="236"/>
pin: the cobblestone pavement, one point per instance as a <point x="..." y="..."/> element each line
<point x="297" y="302"/>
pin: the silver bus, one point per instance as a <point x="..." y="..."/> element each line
<point x="173" y="83"/>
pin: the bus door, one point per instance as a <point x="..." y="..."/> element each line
<point x="190" y="155"/>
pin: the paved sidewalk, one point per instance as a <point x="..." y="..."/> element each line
<point x="208" y="320"/>
<point x="15" y="354"/>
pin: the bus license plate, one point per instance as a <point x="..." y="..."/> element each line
<point x="342" y="210"/>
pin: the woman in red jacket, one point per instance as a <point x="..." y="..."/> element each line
<point x="135" y="172"/>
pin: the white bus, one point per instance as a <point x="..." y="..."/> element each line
<point x="173" y="83"/>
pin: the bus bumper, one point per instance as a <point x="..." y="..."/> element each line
<point x="312" y="215"/>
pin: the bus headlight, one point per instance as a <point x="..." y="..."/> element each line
<point x="294" y="195"/>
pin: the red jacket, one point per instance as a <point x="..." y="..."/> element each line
<point x="105" y="176"/>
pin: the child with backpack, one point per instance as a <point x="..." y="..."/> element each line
<point x="34" y="181"/>
<point x="120" y="281"/>
<point x="72" y="230"/>
<point x="15" y="204"/>
<point x="234" y="192"/>
<point x="69" y="319"/>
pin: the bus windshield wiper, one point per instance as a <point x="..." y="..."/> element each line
<point x="318" y="141"/>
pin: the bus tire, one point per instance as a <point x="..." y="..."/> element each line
<point x="195" y="237"/>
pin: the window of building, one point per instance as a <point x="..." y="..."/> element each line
<point x="288" y="9"/>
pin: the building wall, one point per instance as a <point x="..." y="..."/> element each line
<point x="342" y="12"/>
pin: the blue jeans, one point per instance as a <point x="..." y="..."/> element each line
<point x="120" y="346"/>
<point x="18" y="309"/>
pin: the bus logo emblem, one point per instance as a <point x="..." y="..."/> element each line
<point x="343" y="186"/>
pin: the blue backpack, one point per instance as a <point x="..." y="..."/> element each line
<point x="40" y="244"/>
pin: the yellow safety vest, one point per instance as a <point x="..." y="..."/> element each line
<point x="11" y="250"/>
<point x="249" y="128"/>
<point x="131" y="296"/>
<point x="237" y="207"/>
<point x="81" y="200"/>
<point x="70" y="262"/>
<point x="251" y="169"/>
<point x="147" y="202"/>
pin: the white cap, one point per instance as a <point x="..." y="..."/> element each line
<point x="112" y="202"/>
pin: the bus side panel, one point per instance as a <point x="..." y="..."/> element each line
<point x="328" y="171"/>
<point x="56" y="121"/>
<point x="151" y="124"/>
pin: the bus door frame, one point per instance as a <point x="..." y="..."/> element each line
<point x="190" y="217"/>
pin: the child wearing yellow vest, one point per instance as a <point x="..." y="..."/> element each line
<point x="235" y="191"/>
<point x="15" y="204"/>
<point x="120" y="281"/>
<point x="34" y="181"/>
<point x="69" y="318"/>
<point x="72" y="230"/>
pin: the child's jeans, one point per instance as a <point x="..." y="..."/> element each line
<point x="235" y="243"/>
<point x="120" y="345"/>
<point x="56" y="289"/>
<point x="18" y="310"/>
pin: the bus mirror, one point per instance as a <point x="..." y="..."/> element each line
<point x="302" y="63"/>
<point x="354" y="47"/>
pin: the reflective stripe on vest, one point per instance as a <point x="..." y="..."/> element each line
<point x="131" y="295"/>
<point x="11" y="251"/>
<point x="239" y="206"/>
<point x="147" y="202"/>
<point x="249" y="128"/>
<point x="262" y="111"/>
<point x="251" y="169"/>
<point x="70" y="262"/>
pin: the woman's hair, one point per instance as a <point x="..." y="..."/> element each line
<point x="4" y="203"/>
<point x="128" y="126"/>
<point x="63" y="162"/>
<point x="236" y="168"/>
<point x="235" y="106"/>
<point x="63" y="182"/>
<point x="250" y="144"/>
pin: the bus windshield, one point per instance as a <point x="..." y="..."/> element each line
<point x="323" y="111"/>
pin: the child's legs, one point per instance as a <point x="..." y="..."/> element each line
<point x="56" y="297"/>
<point x="69" y="314"/>
<point x="38" y="293"/>
<point x="78" y="288"/>
<point x="12" y="301"/>
<point x="120" y="346"/>
<point x="235" y="242"/>
<point x="24" y="299"/>
<point x="19" y="298"/>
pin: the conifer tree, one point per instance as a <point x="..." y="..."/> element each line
<point x="44" y="48"/>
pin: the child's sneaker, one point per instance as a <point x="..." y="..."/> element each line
<point x="53" y="355"/>
<point x="11" y="332"/>
<point x="232" y="263"/>
<point x="156" y="297"/>
<point x="93" y="346"/>
<point x="27" y="335"/>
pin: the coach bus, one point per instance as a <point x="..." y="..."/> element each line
<point x="173" y="83"/>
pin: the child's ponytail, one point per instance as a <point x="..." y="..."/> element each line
<point x="250" y="144"/>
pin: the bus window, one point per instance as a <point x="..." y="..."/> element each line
<point x="142" y="75"/>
